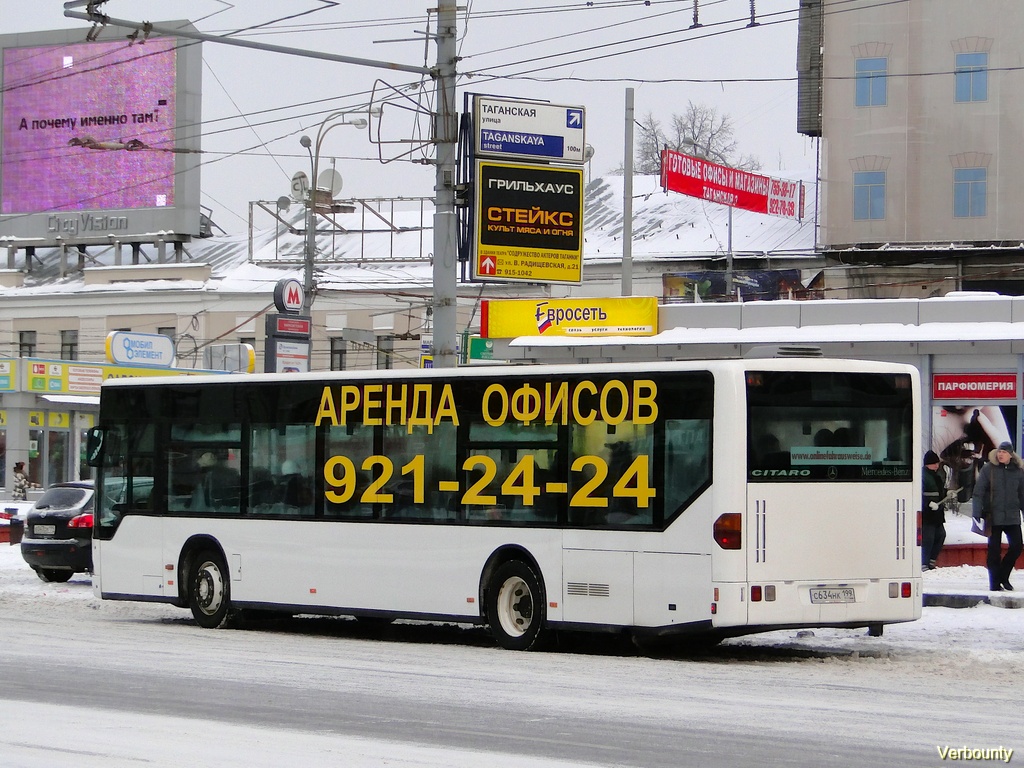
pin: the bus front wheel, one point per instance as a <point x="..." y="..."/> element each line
<point x="515" y="607"/>
<point x="209" y="591"/>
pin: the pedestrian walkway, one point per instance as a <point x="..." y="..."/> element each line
<point x="963" y="582"/>
<point x="965" y="586"/>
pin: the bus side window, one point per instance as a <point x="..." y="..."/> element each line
<point x="687" y="462"/>
<point x="216" y="483"/>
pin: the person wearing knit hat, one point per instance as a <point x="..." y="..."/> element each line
<point x="997" y="503"/>
<point x="933" y="518"/>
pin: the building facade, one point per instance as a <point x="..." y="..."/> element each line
<point x="920" y="107"/>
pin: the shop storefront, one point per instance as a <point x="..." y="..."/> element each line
<point x="971" y="414"/>
<point x="46" y="406"/>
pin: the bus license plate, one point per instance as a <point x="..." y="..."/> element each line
<point x="833" y="595"/>
<point x="44" y="530"/>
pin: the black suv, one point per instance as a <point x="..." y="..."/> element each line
<point x="58" y="531"/>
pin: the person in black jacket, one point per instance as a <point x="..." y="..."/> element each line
<point x="999" y="498"/>
<point x="933" y="518"/>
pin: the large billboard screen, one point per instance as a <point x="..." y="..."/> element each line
<point x="98" y="138"/>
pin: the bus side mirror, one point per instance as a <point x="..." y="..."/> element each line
<point x="94" y="446"/>
<point x="102" y="447"/>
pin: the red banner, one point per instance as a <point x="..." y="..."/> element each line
<point x="961" y="387"/>
<point x="730" y="186"/>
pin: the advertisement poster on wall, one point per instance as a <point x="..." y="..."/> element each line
<point x="751" y="284"/>
<point x="964" y="435"/>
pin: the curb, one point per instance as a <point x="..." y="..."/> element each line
<point x="953" y="555"/>
<point x="995" y="599"/>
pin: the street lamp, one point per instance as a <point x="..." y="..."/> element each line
<point x="313" y="199"/>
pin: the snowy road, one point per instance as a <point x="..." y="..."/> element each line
<point x="95" y="683"/>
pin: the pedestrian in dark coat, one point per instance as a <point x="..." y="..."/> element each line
<point x="933" y="516"/>
<point x="998" y="500"/>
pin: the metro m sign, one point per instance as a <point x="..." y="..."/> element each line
<point x="696" y="177"/>
<point x="288" y="295"/>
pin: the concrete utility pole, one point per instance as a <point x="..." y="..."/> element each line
<point x="627" y="199"/>
<point x="446" y="131"/>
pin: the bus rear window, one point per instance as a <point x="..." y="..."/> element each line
<point x="829" y="426"/>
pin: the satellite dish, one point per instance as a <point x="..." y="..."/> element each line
<point x="284" y="203"/>
<point x="300" y="186"/>
<point x="330" y="179"/>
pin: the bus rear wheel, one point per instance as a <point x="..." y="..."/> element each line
<point x="209" y="591"/>
<point x="515" y="607"/>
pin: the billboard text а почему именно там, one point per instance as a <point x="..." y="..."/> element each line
<point x="98" y="138"/>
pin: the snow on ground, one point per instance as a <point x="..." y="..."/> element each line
<point x="977" y="646"/>
<point x="222" y="744"/>
<point x="991" y="627"/>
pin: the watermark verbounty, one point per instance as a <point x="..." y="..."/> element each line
<point x="974" y="753"/>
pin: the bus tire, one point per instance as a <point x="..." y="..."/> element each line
<point x="209" y="590"/>
<point x="515" y="607"/>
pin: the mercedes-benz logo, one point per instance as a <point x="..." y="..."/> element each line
<point x="833" y="473"/>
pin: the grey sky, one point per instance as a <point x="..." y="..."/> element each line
<point x="257" y="104"/>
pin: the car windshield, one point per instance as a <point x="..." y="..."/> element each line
<point x="62" y="498"/>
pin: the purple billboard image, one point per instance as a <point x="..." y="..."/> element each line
<point x="88" y="126"/>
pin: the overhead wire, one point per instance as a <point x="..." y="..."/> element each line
<point x="264" y="29"/>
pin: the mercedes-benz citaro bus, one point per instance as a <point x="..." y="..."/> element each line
<point x="702" y="499"/>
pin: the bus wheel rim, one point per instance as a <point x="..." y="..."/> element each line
<point x="515" y="607"/>
<point x="209" y="588"/>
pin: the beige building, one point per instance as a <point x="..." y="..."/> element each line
<point x="920" y="110"/>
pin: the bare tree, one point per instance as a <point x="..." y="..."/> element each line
<point x="700" y="131"/>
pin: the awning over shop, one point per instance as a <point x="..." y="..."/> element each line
<point x="92" y="400"/>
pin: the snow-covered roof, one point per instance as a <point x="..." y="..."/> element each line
<point x="811" y="334"/>
<point x="671" y="225"/>
<point x="389" y="245"/>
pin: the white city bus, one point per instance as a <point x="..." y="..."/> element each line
<point x="709" y="498"/>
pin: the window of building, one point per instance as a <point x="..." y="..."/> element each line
<point x="69" y="345"/>
<point x="971" y="77"/>
<point x="970" y="190"/>
<point x="339" y="348"/>
<point x="167" y="330"/>
<point x="872" y="82"/>
<point x="26" y="343"/>
<point x="869" y="195"/>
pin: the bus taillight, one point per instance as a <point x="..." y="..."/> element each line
<point x="919" y="539"/>
<point x="728" y="530"/>
<point x="897" y="589"/>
